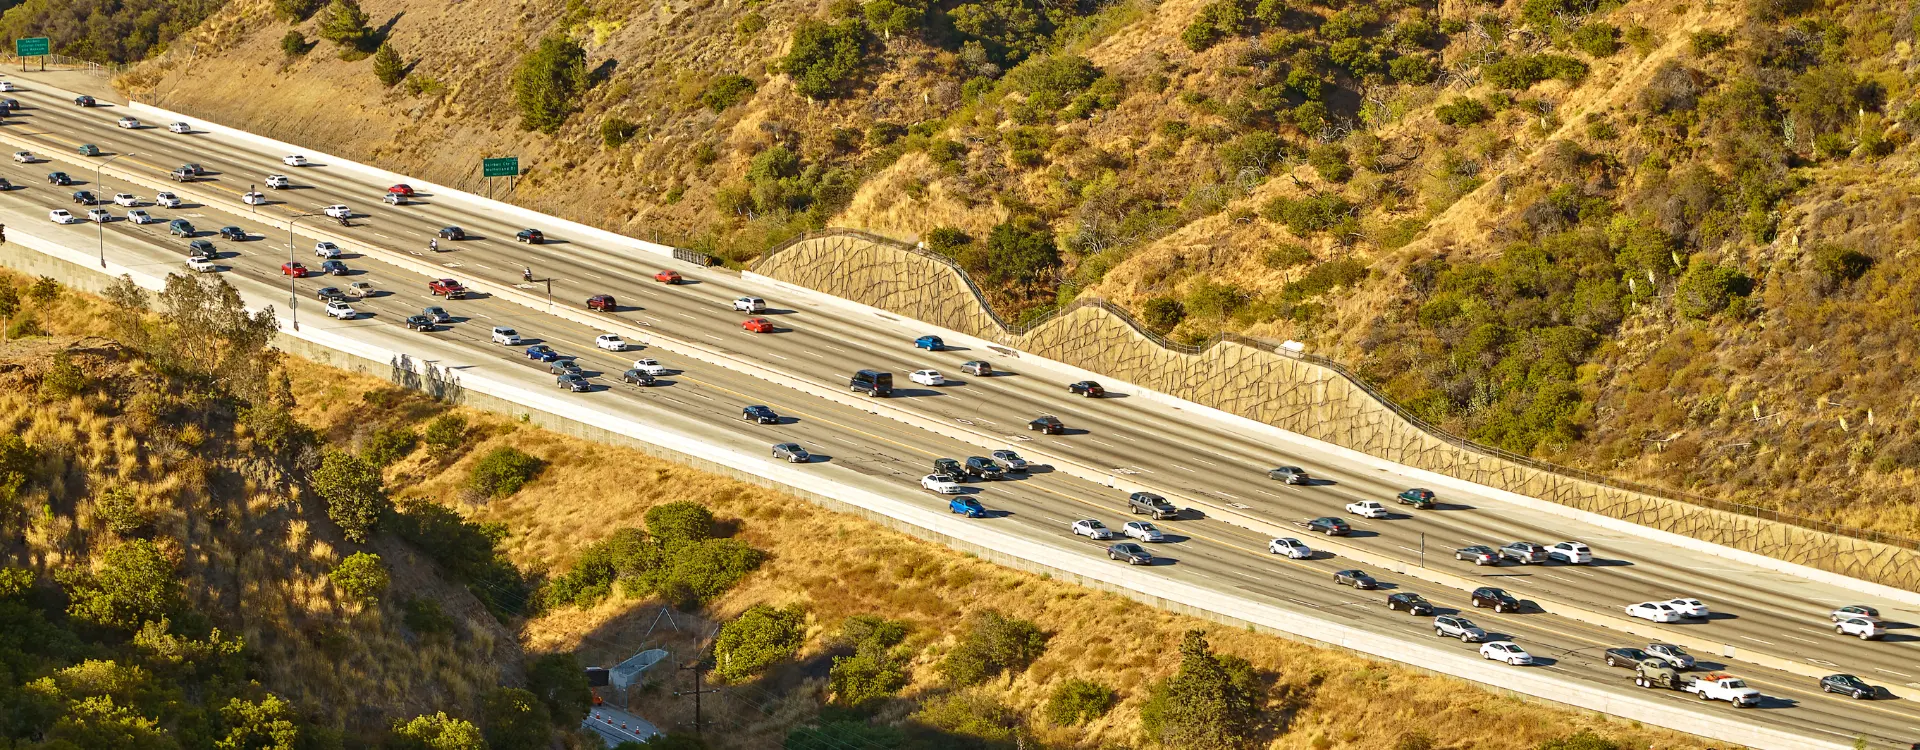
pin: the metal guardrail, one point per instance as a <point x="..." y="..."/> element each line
<point x="692" y="256"/>
<point x="1457" y="441"/>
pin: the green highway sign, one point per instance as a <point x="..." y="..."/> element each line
<point x="38" y="45"/>
<point x="503" y="167"/>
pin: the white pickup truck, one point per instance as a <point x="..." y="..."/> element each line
<point x="1724" y="687"/>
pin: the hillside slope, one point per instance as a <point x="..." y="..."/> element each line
<point x="1659" y="241"/>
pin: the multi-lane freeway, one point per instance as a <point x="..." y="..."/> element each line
<point x="1190" y="454"/>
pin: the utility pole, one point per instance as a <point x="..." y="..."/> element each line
<point x="696" y="692"/>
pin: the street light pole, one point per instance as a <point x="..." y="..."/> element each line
<point x="99" y="183"/>
<point x="293" y="296"/>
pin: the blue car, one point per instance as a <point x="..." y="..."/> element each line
<point x="542" y="352"/>
<point x="967" y="506"/>
<point x="929" y="343"/>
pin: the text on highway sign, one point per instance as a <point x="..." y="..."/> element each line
<point x="30" y="46"/>
<point x="503" y="167"/>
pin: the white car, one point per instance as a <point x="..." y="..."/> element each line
<point x="60" y="216"/>
<point x="337" y="211"/>
<point x="326" y="250"/>
<point x="201" y="265"/>
<point x="1654" y="612"/>
<point x="610" y="342"/>
<point x="750" y="304"/>
<point x="927" y="377"/>
<point x="940" y="484"/>
<point x="1143" y="531"/>
<point x="650" y="366"/>
<point x="138" y="216"/>
<point x="254" y="199"/>
<point x="1861" y="627"/>
<point x="180" y="127"/>
<point x="1367" y="509"/>
<point x="6" y="86"/>
<point x="1689" y="607"/>
<point x="167" y="200"/>
<point x="341" y="310"/>
<point x="1092" y="529"/>
<point x="277" y="181"/>
<point x="506" y="336"/>
<point x="24" y="157"/>
<point x="125" y="199"/>
<point x="1571" y="553"/>
<point x="295" y="160"/>
<point x="1506" y="651"/>
<point x="129" y="123"/>
<point x="1293" y="548"/>
<point x="99" y="215"/>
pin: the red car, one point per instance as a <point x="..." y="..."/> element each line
<point x="602" y="303"/>
<point x="293" y="269"/>
<point x="669" y="277"/>
<point x="402" y="189"/>
<point x="757" y="325"/>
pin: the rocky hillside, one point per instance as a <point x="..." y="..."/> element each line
<point x="1660" y="241"/>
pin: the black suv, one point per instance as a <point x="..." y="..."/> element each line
<point x="201" y="249"/>
<point x="1500" y="601"/>
<point x="59" y="178"/>
<point x="529" y="236"/>
<point x="85" y="198"/>
<point x="984" y="468"/>
<point x="233" y="233"/>
<point x="949" y="469"/>
<point x="1153" y="505"/>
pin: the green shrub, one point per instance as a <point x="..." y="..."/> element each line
<point x="436" y="731"/>
<point x="1839" y="265"/>
<point x="616" y="131"/>
<point x="1330" y="161"/>
<point x="1413" y="70"/>
<point x="947" y="241"/>
<point x="1706" y="43"/>
<point x="293" y="44"/>
<point x="503" y="471"/>
<point x="119" y="510"/>
<point x="361" y="576"/>
<point x="515" y="720"/>
<point x="1708" y="288"/>
<point x="1214" y="21"/>
<point x="1286" y="255"/>
<point x="1597" y="38"/>
<point x="759" y="638"/>
<point x="1311" y="117"/>
<point x="725" y="91"/>
<point x="993" y="644"/>
<point x="1308" y="215"/>
<point x="355" y="495"/>
<point x="1162" y="313"/>
<point x="135" y="584"/>
<point x="1210" y="299"/>
<point x="64" y="379"/>
<point x="387" y="66"/>
<point x="1323" y="278"/>
<point x="548" y="82"/>
<point x="446" y="433"/>
<point x="983" y="719"/>
<point x="388" y="444"/>
<point x="824" y="58"/>
<point x="1076" y="701"/>
<point x="468" y="552"/>
<point x="1523" y="71"/>
<point x="590" y="578"/>
<point x="345" y="24"/>
<point x="1258" y="151"/>
<point x="294" y="11"/>
<point x="1020" y="250"/>
<point x="875" y="670"/>
<point x="679" y="522"/>
<point x="1211" y="702"/>
<point x="423" y="616"/>
<point x="558" y="681"/>
<point x="695" y="574"/>
<point x="1585" y="739"/>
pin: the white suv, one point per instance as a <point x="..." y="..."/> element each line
<point x="166" y="200"/>
<point x="277" y="181"/>
<point x="126" y="199"/>
<point x="324" y="249"/>
<point x="295" y="160"/>
<point x="337" y="211"/>
<point x="650" y="367"/>
<point x="180" y="127"/>
<point x="341" y="310"/>
<point x="1571" y="553"/>
<point x="1861" y="627"/>
<point x="506" y="336"/>
<point x="60" y="216"/>
<point x="99" y="215"/>
<point x="201" y="265"/>
<point x="750" y="304"/>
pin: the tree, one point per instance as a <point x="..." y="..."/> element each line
<point x="824" y="57"/>
<point x="1020" y="249"/>
<point x="9" y="306"/>
<point x="993" y="644"/>
<point x="503" y="471"/>
<point x="516" y="720"/>
<point x="548" y="83"/>
<point x="44" y="291"/>
<point x="98" y="723"/>
<point x="293" y="44"/>
<point x="266" y="725"/>
<point x="135" y="584"/>
<point x="889" y="17"/>
<point x="1209" y="703"/>
<point x="345" y="24"/>
<point x="436" y="731"/>
<point x="361" y="576"/>
<point x="355" y="495"/>
<point x="63" y="379"/>
<point x="387" y="65"/>
<point x="128" y="303"/>
<point x="759" y="638"/>
<point x="294" y="11"/>
<point x="679" y="522"/>
<point x="557" y="680"/>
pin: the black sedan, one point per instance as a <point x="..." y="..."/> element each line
<point x="759" y="415"/>
<point x="636" y="377"/>
<point x="452" y="233"/>
<point x="84" y="101"/>
<point x="1133" y="554"/>
<point x="1478" y="554"/>
<point x="1087" y="388"/>
<point x="329" y="293"/>
<point x="420" y="323"/>
<point x="233" y="233"/>
<point x="1355" y="578"/>
<point x="59" y="178"/>
<point x="1411" y="602"/>
<point x="1048" y="425"/>
<point x="1846" y="684"/>
<point x="1500" y="601"/>
<point x="1329" y="525"/>
<point x="1627" y="658"/>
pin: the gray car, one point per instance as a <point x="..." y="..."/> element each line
<point x="1011" y="460"/>
<point x="1288" y="474"/>
<point x="792" y="452"/>
<point x="573" y="383"/>
<point x="1132" y="554"/>
<point x="1455" y="626"/>
<point x="1525" y="553"/>
<point x="437" y="314"/>
<point x="566" y="366"/>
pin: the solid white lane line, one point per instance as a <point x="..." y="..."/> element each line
<point x="814" y="354"/>
<point x="1103" y="442"/>
<point x="1756" y="640"/>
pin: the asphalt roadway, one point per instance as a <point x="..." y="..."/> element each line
<point x="1183" y="452"/>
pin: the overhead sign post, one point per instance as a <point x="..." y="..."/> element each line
<point x="506" y="166"/>
<point x="38" y="46"/>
